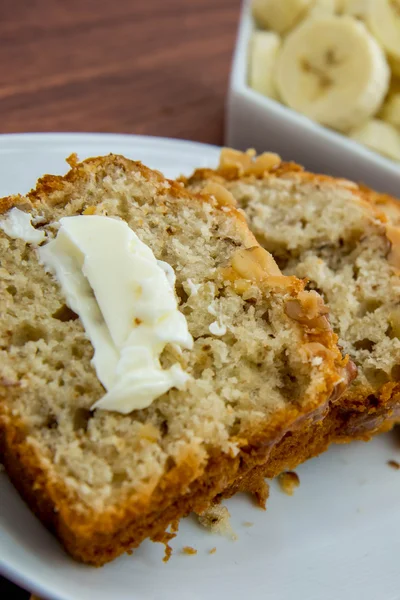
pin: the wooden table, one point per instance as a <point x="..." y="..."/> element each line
<point x="157" y="67"/>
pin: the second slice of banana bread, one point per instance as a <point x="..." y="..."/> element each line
<point x="343" y="240"/>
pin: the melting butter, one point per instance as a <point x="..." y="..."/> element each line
<point x="18" y="225"/>
<point x="126" y="302"/>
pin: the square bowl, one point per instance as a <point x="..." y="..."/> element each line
<point x="255" y="121"/>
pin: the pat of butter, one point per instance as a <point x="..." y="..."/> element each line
<point x="125" y="300"/>
<point x="18" y="225"/>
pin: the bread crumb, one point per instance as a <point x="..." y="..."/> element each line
<point x="189" y="550"/>
<point x="174" y="526"/>
<point x="394" y="464"/>
<point x="212" y="551"/>
<point x="72" y="160"/>
<point x="164" y="538"/>
<point x="288" y="481"/>
<point x="316" y="361"/>
<point x="248" y="524"/>
<point x="217" y="519"/>
<point x="167" y="553"/>
<point x="193" y="287"/>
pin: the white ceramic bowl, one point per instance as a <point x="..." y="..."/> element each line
<point x="255" y="121"/>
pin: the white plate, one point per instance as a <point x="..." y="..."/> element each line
<point x="338" y="538"/>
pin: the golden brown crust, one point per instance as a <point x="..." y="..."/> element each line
<point x="345" y="423"/>
<point x="380" y="205"/>
<point x="224" y="477"/>
<point x="189" y="485"/>
<point x="105" y="537"/>
<point x="385" y="203"/>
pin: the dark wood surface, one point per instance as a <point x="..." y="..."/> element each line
<point x="156" y="67"/>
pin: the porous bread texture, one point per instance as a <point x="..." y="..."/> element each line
<point x="344" y="239"/>
<point x="101" y="479"/>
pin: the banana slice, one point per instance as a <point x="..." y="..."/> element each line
<point x="263" y="53"/>
<point x="333" y="71"/>
<point x="379" y="136"/>
<point x="280" y="15"/>
<point x="322" y="8"/>
<point x="383" y="19"/>
<point x="391" y="110"/>
<point x="353" y="8"/>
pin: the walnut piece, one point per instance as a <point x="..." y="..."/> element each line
<point x="221" y="194"/>
<point x="314" y="349"/>
<point x="247" y="163"/>
<point x="308" y="309"/>
<point x="255" y="264"/>
<point x="234" y="159"/>
<point x="263" y="163"/>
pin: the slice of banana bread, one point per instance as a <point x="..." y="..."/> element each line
<point x="264" y="359"/>
<point x="343" y="239"/>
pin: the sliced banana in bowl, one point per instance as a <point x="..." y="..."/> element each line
<point x="379" y="136"/>
<point x="283" y="15"/>
<point x="354" y="8"/>
<point x="336" y="62"/>
<point x="391" y="110"/>
<point x="264" y="48"/>
<point x="280" y="15"/>
<point x="383" y="19"/>
<point x="332" y="70"/>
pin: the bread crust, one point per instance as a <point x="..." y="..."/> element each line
<point x="343" y="424"/>
<point x="190" y="485"/>
<point x="104" y="538"/>
<point x="223" y="477"/>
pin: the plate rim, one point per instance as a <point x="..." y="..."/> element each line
<point x="59" y="137"/>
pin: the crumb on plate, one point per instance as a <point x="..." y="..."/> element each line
<point x="164" y="538"/>
<point x="189" y="550"/>
<point x="288" y="481"/>
<point x="217" y="520"/>
<point x="394" y="464"/>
